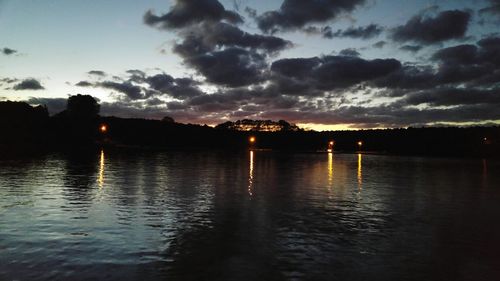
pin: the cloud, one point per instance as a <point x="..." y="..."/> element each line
<point x="84" y="84"/>
<point x="131" y="91"/>
<point x="187" y="12"/>
<point x="296" y="14"/>
<point x="462" y="65"/>
<point x="350" y="52"/>
<point x="462" y="54"/>
<point x="28" y="84"/>
<point x="138" y="86"/>
<point x="180" y="88"/>
<point x="208" y="37"/>
<point x="379" y="44"/>
<point x="214" y="47"/>
<point x="9" y="80"/>
<point x="453" y="97"/>
<point x="492" y="9"/>
<point x="331" y="72"/>
<point x="230" y="67"/>
<point x="97" y="73"/>
<point x="362" y="32"/>
<point x="424" y="29"/>
<point x="8" y="51"/>
<point x="411" y="48"/>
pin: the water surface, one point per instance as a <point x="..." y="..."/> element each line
<point x="248" y="216"/>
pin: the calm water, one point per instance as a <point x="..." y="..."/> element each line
<point x="248" y="216"/>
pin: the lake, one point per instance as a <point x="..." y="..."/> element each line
<point x="130" y="215"/>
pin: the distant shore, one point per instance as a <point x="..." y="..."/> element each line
<point x="27" y="130"/>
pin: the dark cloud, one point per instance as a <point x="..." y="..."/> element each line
<point x="408" y="77"/>
<point x="493" y="8"/>
<point x="8" y="51"/>
<point x="346" y="71"/>
<point x="9" y="80"/>
<point x="295" y="14"/>
<point x="180" y="88"/>
<point x="490" y="50"/>
<point x="28" y="84"/>
<point x="230" y="67"/>
<point x="226" y="55"/>
<point x="252" y="13"/>
<point x="209" y="37"/>
<point x="131" y="91"/>
<point x="362" y="32"/>
<point x="453" y="97"/>
<point x="463" y="65"/>
<point x="297" y="67"/>
<point x="411" y="48"/>
<point x="188" y="12"/>
<point x="84" y="84"/>
<point x="350" y="52"/>
<point x="430" y="30"/>
<point x="160" y="82"/>
<point x="213" y="46"/>
<point x="379" y="44"/>
<point x="138" y="86"/>
<point x="332" y="72"/>
<point x="475" y="64"/>
<point x="97" y="73"/>
<point x="136" y="72"/>
<point x="462" y="54"/>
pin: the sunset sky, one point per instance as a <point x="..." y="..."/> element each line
<point x="322" y="64"/>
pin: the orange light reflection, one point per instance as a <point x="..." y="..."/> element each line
<point x="330" y="170"/>
<point x="250" y="176"/>
<point x="360" y="170"/>
<point x="100" y="180"/>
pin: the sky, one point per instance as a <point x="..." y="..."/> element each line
<point x="323" y="64"/>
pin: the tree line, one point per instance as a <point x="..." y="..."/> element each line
<point x="26" y="127"/>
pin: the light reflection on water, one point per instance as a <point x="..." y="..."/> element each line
<point x="188" y="216"/>
<point x="330" y="169"/>
<point x="250" y="176"/>
<point x="100" y="180"/>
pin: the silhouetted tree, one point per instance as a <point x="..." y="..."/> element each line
<point x="168" y="119"/>
<point x="83" y="107"/>
<point x="21" y="123"/>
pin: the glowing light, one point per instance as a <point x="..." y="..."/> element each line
<point x="250" y="176"/>
<point x="103" y="128"/>
<point x="360" y="143"/>
<point x="252" y="139"/>
<point x="100" y="180"/>
<point x="330" y="146"/>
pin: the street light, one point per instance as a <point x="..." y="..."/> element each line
<point x="330" y="146"/>
<point x="252" y="140"/>
<point x="103" y="128"/>
<point x="360" y="144"/>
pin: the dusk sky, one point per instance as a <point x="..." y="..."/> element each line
<point x="323" y="64"/>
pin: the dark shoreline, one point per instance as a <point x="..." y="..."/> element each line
<point x="27" y="130"/>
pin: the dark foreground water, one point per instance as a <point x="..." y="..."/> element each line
<point x="248" y="216"/>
